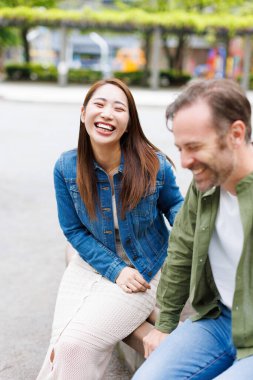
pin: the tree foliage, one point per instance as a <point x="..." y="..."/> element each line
<point x="209" y="6"/>
<point x="9" y="37"/>
<point x="177" y="17"/>
<point x="132" y="19"/>
<point x="217" y="9"/>
<point x="28" y="3"/>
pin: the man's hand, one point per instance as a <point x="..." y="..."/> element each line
<point x="131" y="281"/>
<point x="152" y="341"/>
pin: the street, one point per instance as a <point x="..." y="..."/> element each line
<point x="33" y="135"/>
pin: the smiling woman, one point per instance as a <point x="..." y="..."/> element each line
<point x="106" y="119"/>
<point x="112" y="194"/>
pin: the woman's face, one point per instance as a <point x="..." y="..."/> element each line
<point x="106" y="116"/>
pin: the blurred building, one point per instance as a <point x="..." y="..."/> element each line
<point x="125" y="53"/>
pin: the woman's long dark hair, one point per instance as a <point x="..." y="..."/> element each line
<point x="140" y="160"/>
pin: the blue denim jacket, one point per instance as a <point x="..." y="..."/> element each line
<point x="143" y="232"/>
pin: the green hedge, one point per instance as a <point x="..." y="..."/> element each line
<point x="31" y="71"/>
<point x="173" y="78"/>
<point x="135" y="78"/>
<point x="39" y="72"/>
<point x="80" y="76"/>
<point x="239" y="80"/>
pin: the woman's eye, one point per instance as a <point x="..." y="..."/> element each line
<point x="118" y="109"/>
<point x="99" y="104"/>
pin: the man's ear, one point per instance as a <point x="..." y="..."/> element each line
<point x="82" y="114"/>
<point x="238" y="130"/>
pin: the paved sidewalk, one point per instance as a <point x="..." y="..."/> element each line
<point x="74" y="94"/>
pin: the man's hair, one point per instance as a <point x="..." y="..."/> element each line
<point x="225" y="97"/>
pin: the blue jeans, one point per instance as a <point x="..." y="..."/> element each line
<point x="201" y="350"/>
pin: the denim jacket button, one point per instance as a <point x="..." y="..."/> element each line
<point x="150" y="273"/>
<point x="106" y="209"/>
<point x="135" y="258"/>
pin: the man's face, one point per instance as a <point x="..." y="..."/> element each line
<point x="202" y="150"/>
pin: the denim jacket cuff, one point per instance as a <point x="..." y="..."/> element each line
<point x="114" y="271"/>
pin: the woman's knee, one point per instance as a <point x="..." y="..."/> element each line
<point x="66" y="351"/>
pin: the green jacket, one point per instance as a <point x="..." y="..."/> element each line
<point x="187" y="272"/>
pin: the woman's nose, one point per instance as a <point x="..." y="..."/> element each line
<point x="107" y="112"/>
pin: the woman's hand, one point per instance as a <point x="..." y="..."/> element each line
<point x="131" y="281"/>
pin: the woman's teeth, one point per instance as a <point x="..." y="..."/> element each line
<point x="107" y="127"/>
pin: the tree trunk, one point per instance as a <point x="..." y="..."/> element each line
<point x="24" y="32"/>
<point x="147" y="51"/>
<point x="175" y="60"/>
<point x="166" y="49"/>
<point x="180" y="51"/>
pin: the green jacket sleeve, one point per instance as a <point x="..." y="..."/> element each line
<point x="174" y="285"/>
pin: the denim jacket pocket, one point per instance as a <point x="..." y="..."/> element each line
<point x="93" y="226"/>
<point x="146" y="209"/>
<point x="75" y="195"/>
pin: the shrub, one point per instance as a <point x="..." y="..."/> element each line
<point x="31" y="71"/>
<point x="83" y="76"/>
<point x="173" y="78"/>
<point x="239" y="80"/>
<point x="39" y="72"/>
<point x="134" y="78"/>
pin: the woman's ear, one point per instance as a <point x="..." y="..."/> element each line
<point x="82" y="114"/>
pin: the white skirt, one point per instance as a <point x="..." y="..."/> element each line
<point x="91" y="315"/>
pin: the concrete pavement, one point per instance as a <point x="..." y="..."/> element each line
<point x="74" y="94"/>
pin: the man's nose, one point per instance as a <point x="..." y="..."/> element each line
<point x="186" y="159"/>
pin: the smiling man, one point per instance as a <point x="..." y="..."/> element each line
<point x="210" y="258"/>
